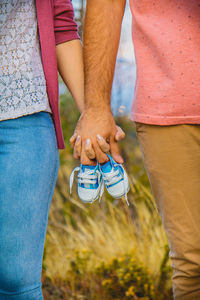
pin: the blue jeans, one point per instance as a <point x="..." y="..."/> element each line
<point x="29" y="163"/>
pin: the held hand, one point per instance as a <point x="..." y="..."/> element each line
<point x="75" y="141"/>
<point x="105" y="147"/>
<point x="96" y="133"/>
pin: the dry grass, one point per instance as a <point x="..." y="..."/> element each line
<point x="84" y="235"/>
<point x="104" y="231"/>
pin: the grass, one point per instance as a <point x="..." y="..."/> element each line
<point x="107" y="250"/>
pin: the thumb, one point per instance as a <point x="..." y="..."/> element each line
<point x="120" y="134"/>
<point x="115" y="153"/>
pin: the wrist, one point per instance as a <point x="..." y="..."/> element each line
<point x="97" y="101"/>
<point x="97" y="108"/>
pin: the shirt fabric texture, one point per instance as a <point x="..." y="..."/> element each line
<point x="22" y="84"/>
<point x="166" y="37"/>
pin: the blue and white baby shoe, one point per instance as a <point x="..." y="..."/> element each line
<point x="90" y="183"/>
<point x="115" y="179"/>
<point x="91" y="180"/>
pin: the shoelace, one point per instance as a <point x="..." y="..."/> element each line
<point x="114" y="176"/>
<point x="86" y="177"/>
<point x="89" y="177"/>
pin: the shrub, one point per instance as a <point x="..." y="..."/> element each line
<point x="126" y="278"/>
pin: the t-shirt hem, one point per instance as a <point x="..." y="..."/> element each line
<point x="164" y="120"/>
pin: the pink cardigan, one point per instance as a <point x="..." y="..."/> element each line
<point x="56" y="25"/>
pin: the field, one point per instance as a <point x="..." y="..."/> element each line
<point x="106" y="250"/>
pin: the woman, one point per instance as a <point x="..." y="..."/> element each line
<point x="37" y="38"/>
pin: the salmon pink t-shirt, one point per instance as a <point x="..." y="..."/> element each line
<point x="166" y="37"/>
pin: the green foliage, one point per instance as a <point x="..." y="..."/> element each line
<point x="121" y="278"/>
<point x="126" y="278"/>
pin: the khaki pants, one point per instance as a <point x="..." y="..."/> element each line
<point x="171" y="157"/>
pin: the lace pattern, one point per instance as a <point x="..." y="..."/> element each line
<point x="22" y="80"/>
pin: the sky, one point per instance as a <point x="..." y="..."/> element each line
<point x="126" y="45"/>
<point x="125" y="72"/>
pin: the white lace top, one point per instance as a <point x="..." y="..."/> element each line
<point x="22" y="81"/>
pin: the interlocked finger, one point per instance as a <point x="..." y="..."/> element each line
<point x="101" y="156"/>
<point x="104" y="146"/>
<point x="120" y="134"/>
<point x="89" y="149"/>
<point x="115" y="153"/>
<point x="73" y="139"/>
<point x="77" y="147"/>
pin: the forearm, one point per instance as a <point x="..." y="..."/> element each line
<point x="70" y="66"/>
<point x="101" y="41"/>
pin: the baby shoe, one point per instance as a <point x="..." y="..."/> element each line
<point x="90" y="183"/>
<point x="115" y="179"/>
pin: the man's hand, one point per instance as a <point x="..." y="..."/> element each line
<point x="95" y="134"/>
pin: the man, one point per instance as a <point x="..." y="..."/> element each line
<point x="166" y="111"/>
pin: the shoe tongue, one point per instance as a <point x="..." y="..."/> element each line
<point x="87" y="167"/>
<point x="107" y="167"/>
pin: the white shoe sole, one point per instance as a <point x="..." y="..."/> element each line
<point x="101" y="191"/>
<point x="121" y="195"/>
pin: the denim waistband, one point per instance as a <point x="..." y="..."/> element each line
<point x="42" y="118"/>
